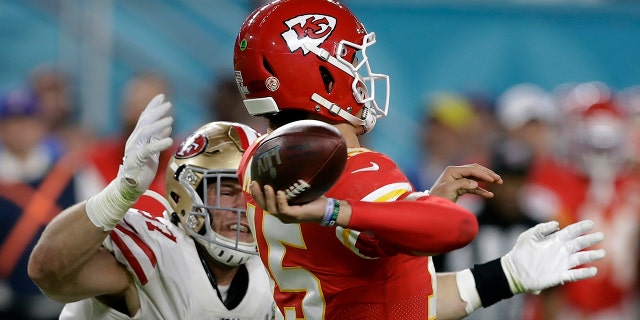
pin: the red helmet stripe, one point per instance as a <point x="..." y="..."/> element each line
<point x="246" y="134"/>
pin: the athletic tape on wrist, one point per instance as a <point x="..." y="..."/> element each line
<point x="468" y="292"/>
<point x="491" y="282"/>
<point x="107" y="208"/>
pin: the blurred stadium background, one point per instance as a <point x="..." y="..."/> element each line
<point x="425" y="46"/>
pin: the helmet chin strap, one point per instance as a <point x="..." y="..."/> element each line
<point x="367" y="122"/>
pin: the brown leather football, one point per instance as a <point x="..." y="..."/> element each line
<point x="304" y="158"/>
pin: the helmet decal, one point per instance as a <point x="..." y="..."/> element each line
<point x="272" y="83"/>
<point x="308" y="30"/>
<point x="192" y="146"/>
<point x="243" y="44"/>
<point x="243" y="89"/>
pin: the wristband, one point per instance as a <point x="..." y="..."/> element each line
<point x="491" y="282"/>
<point x="328" y="212"/>
<point x="336" y="211"/>
<point x="468" y="292"/>
<point x="331" y="213"/>
<point x="107" y="208"/>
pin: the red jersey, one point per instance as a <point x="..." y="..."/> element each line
<point x="364" y="270"/>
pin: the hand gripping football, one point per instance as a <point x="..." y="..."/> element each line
<point x="304" y="158"/>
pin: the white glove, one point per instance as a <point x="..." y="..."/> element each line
<point x="151" y="136"/>
<point x="544" y="257"/>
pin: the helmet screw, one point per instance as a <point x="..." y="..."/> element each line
<point x="317" y="108"/>
<point x="349" y="109"/>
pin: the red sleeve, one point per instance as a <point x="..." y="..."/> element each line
<point x="427" y="225"/>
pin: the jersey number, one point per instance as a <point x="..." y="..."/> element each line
<point x="291" y="279"/>
<point x="154" y="225"/>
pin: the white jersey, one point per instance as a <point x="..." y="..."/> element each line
<point x="171" y="281"/>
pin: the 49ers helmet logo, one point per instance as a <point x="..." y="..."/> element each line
<point x="309" y="29"/>
<point x="192" y="146"/>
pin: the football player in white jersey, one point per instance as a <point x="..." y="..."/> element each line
<point x="197" y="260"/>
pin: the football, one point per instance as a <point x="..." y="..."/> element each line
<point x="304" y="158"/>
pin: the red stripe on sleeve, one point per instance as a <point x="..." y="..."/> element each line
<point x="141" y="244"/>
<point x="131" y="258"/>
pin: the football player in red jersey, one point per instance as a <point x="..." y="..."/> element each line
<point x="597" y="182"/>
<point x="362" y="252"/>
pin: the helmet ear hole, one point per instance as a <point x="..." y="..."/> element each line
<point x="175" y="197"/>
<point x="202" y="231"/>
<point x="175" y="219"/>
<point x="327" y="79"/>
<point x="267" y="66"/>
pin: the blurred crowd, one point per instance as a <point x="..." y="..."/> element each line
<point x="566" y="154"/>
<point x="50" y="160"/>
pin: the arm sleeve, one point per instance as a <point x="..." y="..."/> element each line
<point x="428" y="225"/>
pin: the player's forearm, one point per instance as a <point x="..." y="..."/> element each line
<point x="68" y="242"/>
<point x="429" y="225"/>
<point x="74" y="236"/>
<point x="449" y="304"/>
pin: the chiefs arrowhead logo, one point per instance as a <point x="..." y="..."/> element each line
<point x="309" y="29"/>
<point x="192" y="146"/>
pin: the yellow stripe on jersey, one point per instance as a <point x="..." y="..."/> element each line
<point x="354" y="151"/>
<point x="390" y="192"/>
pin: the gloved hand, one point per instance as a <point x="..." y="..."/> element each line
<point x="544" y="257"/>
<point x="139" y="165"/>
<point x="150" y="137"/>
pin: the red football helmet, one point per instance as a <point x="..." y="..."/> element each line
<point x="595" y="126"/>
<point x="306" y="55"/>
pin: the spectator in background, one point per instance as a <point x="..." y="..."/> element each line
<point x="501" y="219"/>
<point x="629" y="99"/>
<point x="445" y="126"/>
<point x="105" y="157"/>
<point x="37" y="180"/>
<point x="225" y="104"/>
<point x="486" y="130"/>
<point x="527" y="114"/>
<point x="448" y="125"/>
<point x="53" y="89"/>
<point x="598" y="182"/>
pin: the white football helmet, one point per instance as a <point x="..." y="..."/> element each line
<point x="208" y="158"/>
